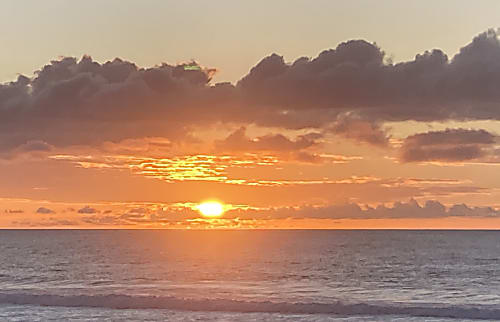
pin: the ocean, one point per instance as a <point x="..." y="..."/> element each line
<point x="261" y="275"/>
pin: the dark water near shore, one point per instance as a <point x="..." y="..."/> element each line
<point x="306" y="275"/>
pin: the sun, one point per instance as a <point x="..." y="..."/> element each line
<point x="211" y="209"/>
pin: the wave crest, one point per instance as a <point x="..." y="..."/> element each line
<point x="115" y="301"/>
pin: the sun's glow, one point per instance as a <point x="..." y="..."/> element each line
<point x="211" y="209"/>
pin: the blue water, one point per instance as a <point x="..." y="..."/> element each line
<point x="304" y="275"/>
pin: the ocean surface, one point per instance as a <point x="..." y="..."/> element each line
<point x="292" y="275"/>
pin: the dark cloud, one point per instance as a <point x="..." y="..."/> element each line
<point x="278" y="144"/>
<point x="450" y="145"/>
<point x="72" y="102"/>
<point x="35" y="146"/>
<point x="352" y="89"/>
<point x="354" y="79"/>
<point x="238" y="141"/>
<point x="32" y="148"/>
<point x="361" y="131"/>
<point x="43" y="210"/>
<point x="87" y="210"/>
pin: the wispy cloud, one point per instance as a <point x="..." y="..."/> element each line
<point x="196" y="167"/>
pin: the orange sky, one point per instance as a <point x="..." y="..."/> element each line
<point x="345" y="137"/>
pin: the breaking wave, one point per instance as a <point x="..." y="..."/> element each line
<point x="114" y="301"/>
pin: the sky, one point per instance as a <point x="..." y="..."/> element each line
<point x="291" y="114"/>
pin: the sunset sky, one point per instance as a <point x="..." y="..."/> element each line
<point x="360" y="114"/>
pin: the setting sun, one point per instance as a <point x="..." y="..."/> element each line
<point x="302" y="160"/>
<point x="211" y="209"/>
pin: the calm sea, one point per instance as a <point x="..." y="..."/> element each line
<point x="303" y="275"/>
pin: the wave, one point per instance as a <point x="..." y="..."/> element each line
<point x="115" y="301"/>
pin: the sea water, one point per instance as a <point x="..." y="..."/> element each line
<point x="263" y="275"/>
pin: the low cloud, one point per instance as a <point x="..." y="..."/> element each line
<point x="399" y="210"/>
<point x="43" y="210"/>
<point x="411" y="209"/>
<point x="45" y="222"/>
<point x="87" y="210"/>
<point x="14" y="211"/>
<point x="451" y="145"/>
<point x="107" y="220"/>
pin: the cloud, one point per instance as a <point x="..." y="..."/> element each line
<point x="43" y="210"/>
<point x="238" y="141"/>
<point x="104" y="220"/>
<point x="361" y="131"/>
<point x="205" y="167"/>
<point x="355" y="79"/>
<point x="143" y="216"/>
<point x="399" y="210"/>
<point x="450" y="145"/>
<point x="351" y="90"/>
<point x="45" y="222"/>
<point x="14" y="211"/>
<point x="183" y="215"/>
<point x="87" y="210"/>
<point x="411" y="209"/>
<point x="92" y="102"/>
<point x="32" y="148"/>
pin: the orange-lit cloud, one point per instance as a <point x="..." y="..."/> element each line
<point x="311" y="142"/>
<point x="198" y="167"/>
<point x="239" y="216"/>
